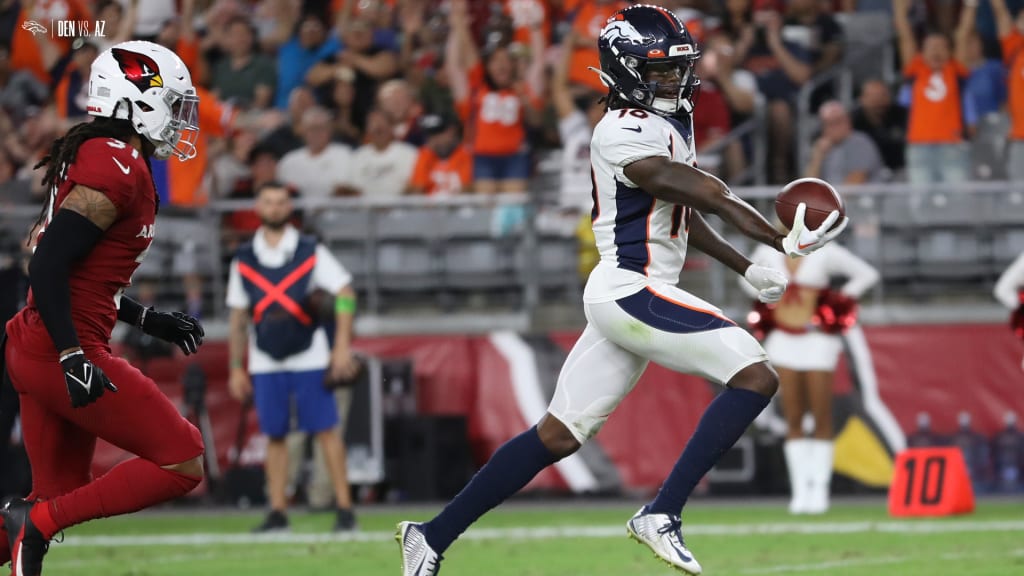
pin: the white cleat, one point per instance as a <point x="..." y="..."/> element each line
<point x="663" y="534"/>
<point x="418" y="558"/>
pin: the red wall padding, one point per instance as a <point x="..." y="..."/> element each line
<point x="939" y="369"/>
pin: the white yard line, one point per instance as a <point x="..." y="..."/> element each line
<point x="854" y="562"/>
<point x="548" y="533"/>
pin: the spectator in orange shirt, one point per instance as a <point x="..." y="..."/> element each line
<point x="588" y="18"/>
<point x="1011" y="35"/>
<point x="444" y="166"/>
<point x="493" y="103"/>
<point x="935" y="136"/>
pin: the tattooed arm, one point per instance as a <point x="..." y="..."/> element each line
<point x="69" y="236"/>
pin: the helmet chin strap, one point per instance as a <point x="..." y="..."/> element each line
<point x="162" y="151"/>
<point x="667" y="105"/>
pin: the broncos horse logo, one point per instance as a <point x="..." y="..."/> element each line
<point x="618" y="29"/>
<point x="139" y="69"/>
<point x="33" y="27"/>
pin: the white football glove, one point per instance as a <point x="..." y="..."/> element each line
<point x="770" y="283"/>
<point x="801" y="241"/>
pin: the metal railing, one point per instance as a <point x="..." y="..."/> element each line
<point x="755" y="131"/>
<point x="903" y="230"/>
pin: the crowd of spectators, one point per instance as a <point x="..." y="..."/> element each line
<point x="384" y="98"/>
<point x="391" y="97"/>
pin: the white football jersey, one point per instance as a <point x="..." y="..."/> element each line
<point x="641" y="239"/>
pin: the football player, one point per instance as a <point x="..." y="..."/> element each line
<point x="95" y="229"/>
<point x="648" y="206"/>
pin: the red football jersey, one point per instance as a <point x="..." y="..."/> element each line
<point x="98" y="280"/>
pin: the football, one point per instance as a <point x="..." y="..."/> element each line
<point x="821" y="199"/>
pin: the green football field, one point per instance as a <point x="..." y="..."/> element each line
<point x="550" y="539"/>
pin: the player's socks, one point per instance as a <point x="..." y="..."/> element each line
<point x="130" y="486"/>
<point x="511" y="468"/>
<point x="719" y="428"/>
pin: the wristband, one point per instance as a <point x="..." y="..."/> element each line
<point x="345" y="304"/>
<point x="235" y="363"/>
<point x="70" y="354"/>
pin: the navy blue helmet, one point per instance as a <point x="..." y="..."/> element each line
<point x="648" y="59"/>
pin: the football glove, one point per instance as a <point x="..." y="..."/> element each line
<point x="85" y="381"/>
<point x="770" y="283"/>
<point x="802" y="241"/>
<point x="174" y="327"/>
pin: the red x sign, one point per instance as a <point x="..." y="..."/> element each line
<point x="276" y="292"/>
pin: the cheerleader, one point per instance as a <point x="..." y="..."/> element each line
<point x="1010" y="293"/>
<point x="804" y="347"/>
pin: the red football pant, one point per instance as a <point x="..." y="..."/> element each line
<point x="60" y="440"/>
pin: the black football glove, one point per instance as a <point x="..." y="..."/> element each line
<point x="174" y="327"/>
<point x="85" y="381"/>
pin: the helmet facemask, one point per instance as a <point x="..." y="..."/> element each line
<point x="180" y="135"/>
<point x="667" y="97"/>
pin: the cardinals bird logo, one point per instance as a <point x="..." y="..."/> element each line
<point x="139" y="69"/>
<point x="34" y="27"/>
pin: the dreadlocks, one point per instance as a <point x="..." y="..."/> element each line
<point x="64" y="150"/>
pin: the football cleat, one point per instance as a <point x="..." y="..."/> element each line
<point x="28" y="546"/>
<point x="276" y="521"/>
<point x="418" y="558"/>
<point x="663" y="534"/>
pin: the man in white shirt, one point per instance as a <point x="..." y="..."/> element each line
<point x="270" y="283"/>
<point x="321" y="168"/>
<point x="382" y="167"/>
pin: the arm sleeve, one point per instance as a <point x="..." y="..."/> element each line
<point x="328" y="273"/>
<point x="1009" y="283"/>
<point x="129" y="311"/>
<point x="69" y="238"/>
<point x="237" y="297"/>
<point x="622" y="139"/>
<point x="860" y="275"/>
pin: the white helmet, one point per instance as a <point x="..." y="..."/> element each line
<point x="150" y="86"/>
